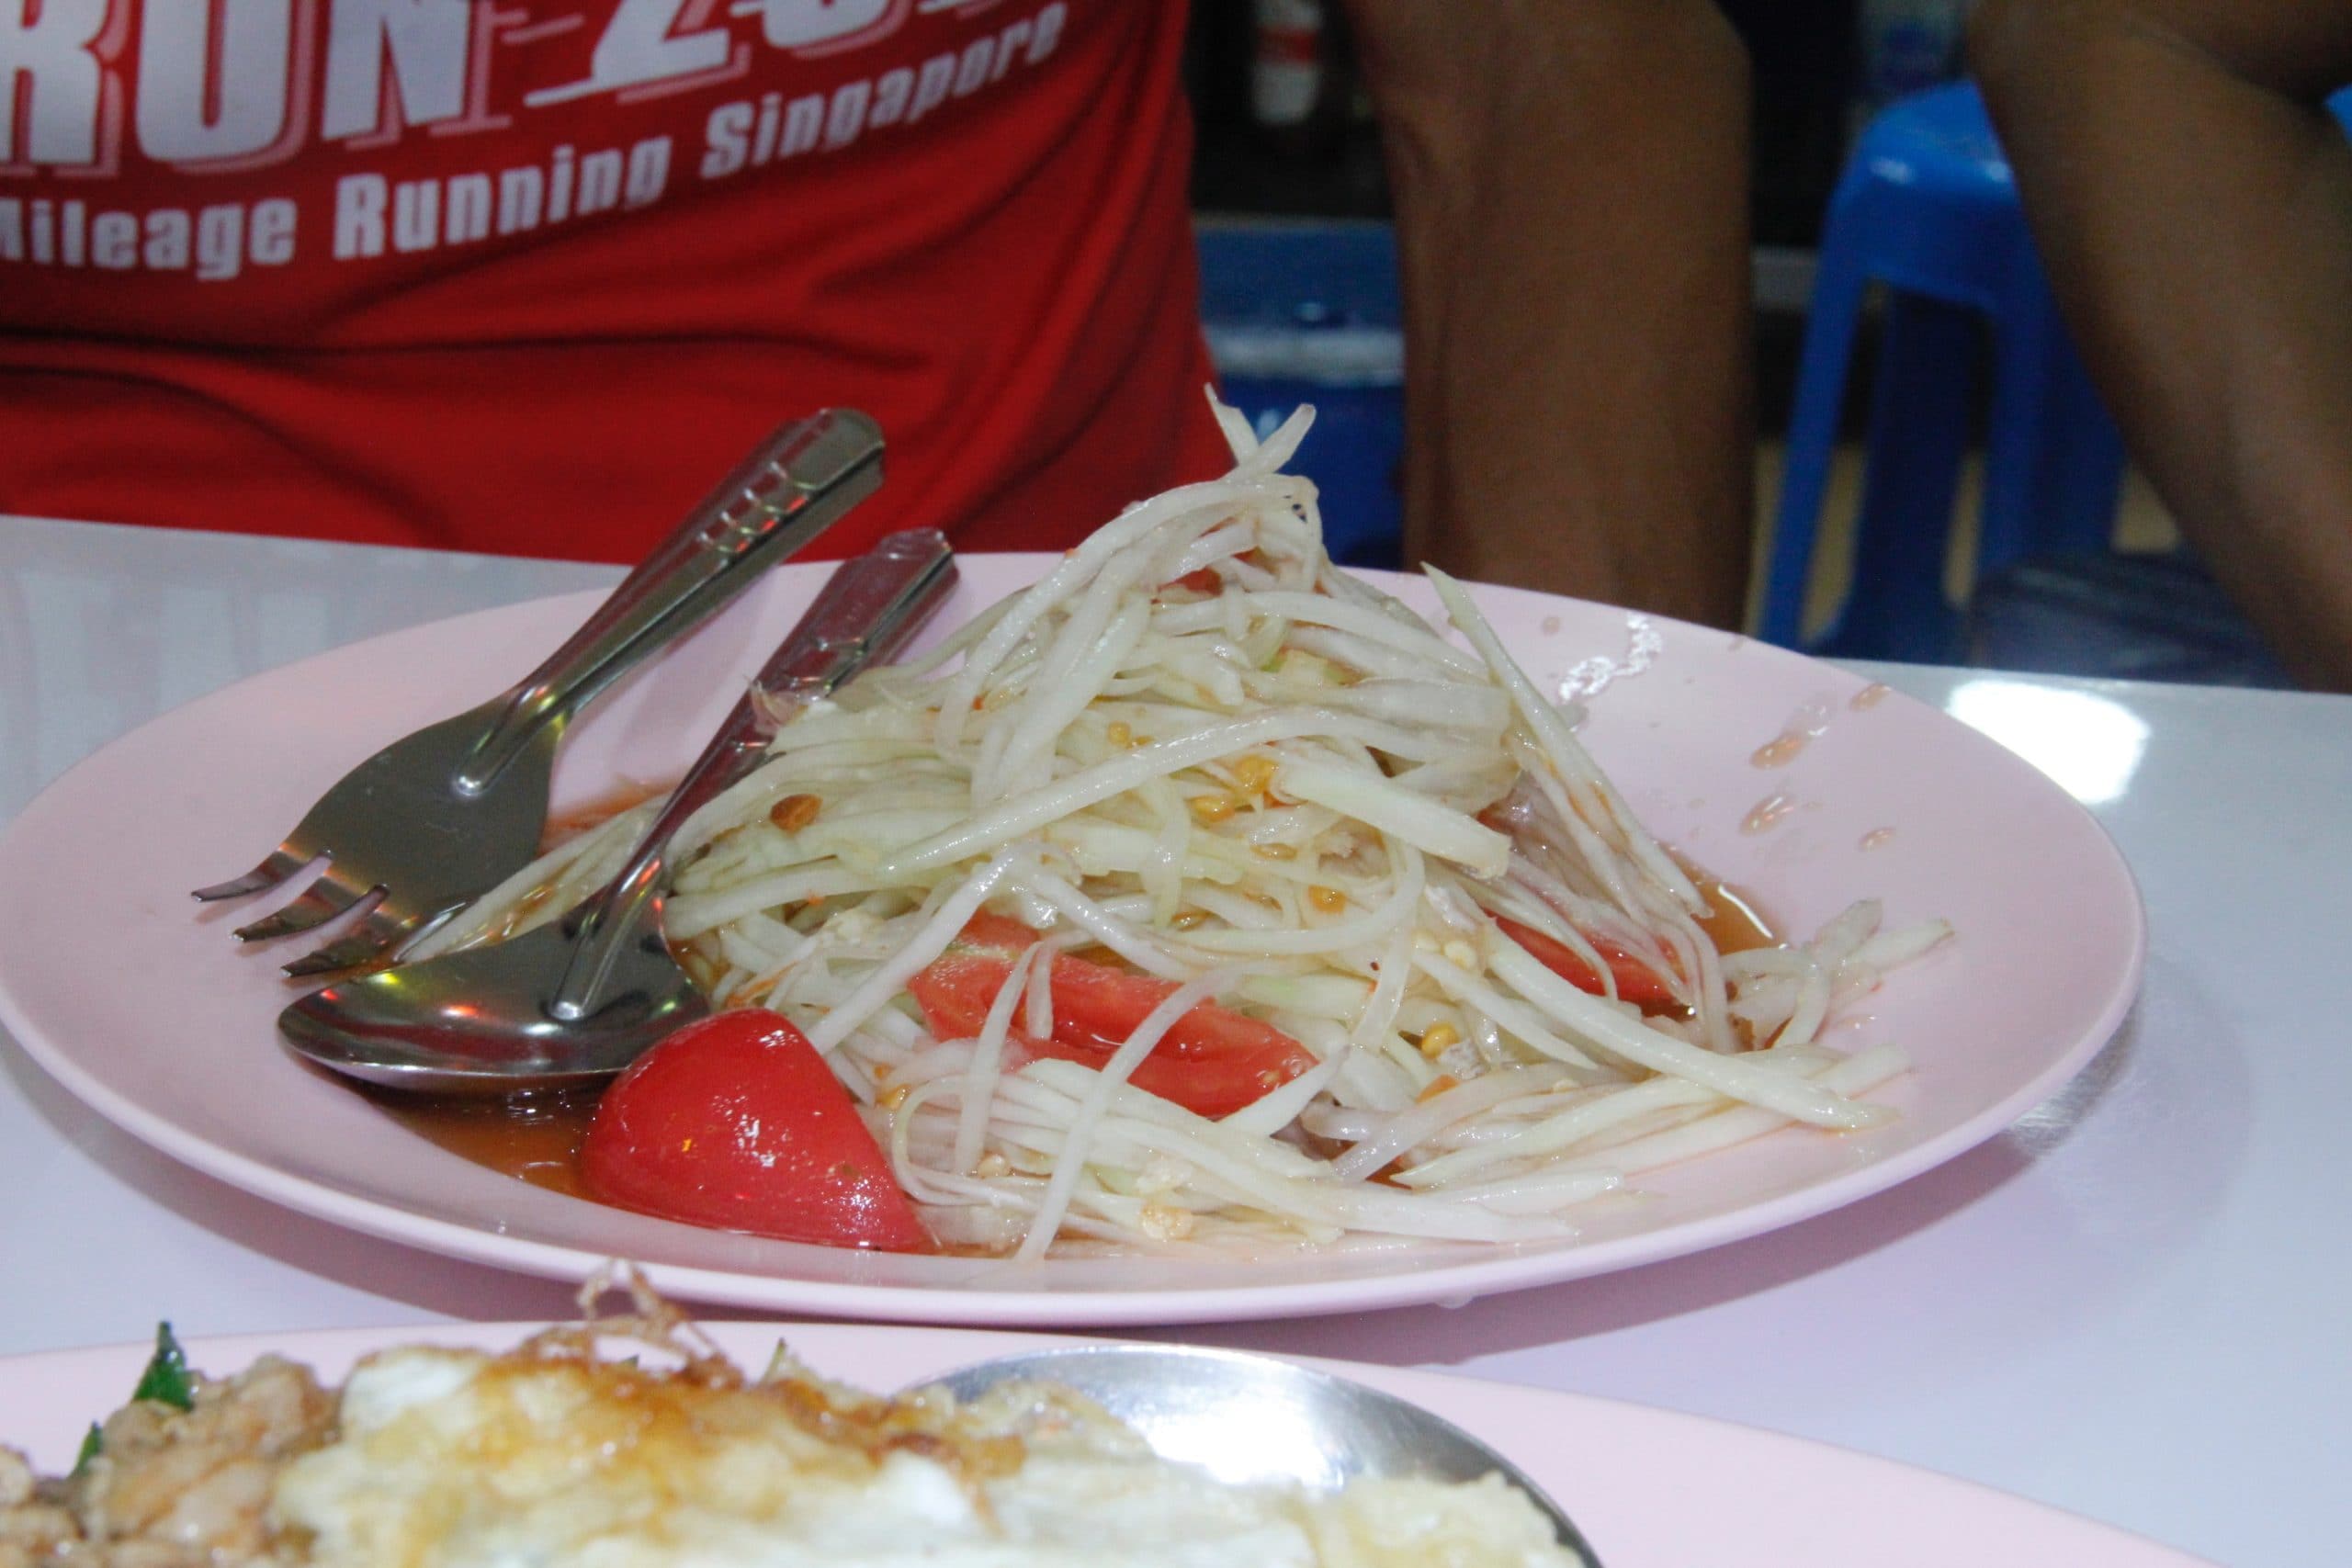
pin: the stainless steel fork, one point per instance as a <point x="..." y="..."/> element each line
<point x="577" y="999"/>
<point x="438" y="817"/>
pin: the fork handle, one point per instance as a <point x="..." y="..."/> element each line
<point x="866" y="611"/>
<point x="796" y="484"/>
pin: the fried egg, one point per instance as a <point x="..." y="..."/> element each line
<point x="451" y="1458"/>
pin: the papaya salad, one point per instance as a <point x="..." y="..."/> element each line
<point x="1202" y="895"/>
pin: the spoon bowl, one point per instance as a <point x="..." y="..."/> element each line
<point x="479" y="1021"/>
<point x="1258" y="1420"/>
<point x="579" y="998"/>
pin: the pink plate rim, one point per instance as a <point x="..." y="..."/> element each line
<point x="37" y="999"/>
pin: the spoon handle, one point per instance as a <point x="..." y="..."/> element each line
<point x="866" y="610"/>
<point x="793" y="486"/>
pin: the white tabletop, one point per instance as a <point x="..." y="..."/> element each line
<point x="2132" y="1306"/>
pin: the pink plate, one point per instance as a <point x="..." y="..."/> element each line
<point x="143" y="1006"/>
<point x="1623" y="1472"/>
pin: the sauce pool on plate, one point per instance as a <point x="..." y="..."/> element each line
<point x="532" y="1136"/>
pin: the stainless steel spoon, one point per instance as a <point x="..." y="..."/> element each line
<point x="579" y="998"/>
<point x="438" y="819"/>
<point x="1254" y="1419"/>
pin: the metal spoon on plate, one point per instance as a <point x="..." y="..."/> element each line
<point x="1248" y="1419"/>
<point x="579" y="998"/>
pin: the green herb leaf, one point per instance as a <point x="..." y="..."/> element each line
<point x="166" y="1379"/>
<point x="166" y="1376"/>
<point x="93" y="1441"/>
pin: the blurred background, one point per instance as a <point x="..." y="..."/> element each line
<point x="1935" y="481"/>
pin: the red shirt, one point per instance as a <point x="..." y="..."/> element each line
<point x="529" y="275"/>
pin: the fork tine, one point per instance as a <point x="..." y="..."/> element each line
<point x="325" y="899"/>
<point x="282" y="863"/>
<point x="376" y="936"/>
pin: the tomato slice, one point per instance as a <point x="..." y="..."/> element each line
<point x="1214" y="1062"/>
<point x="736" y="1122"/>
<point x="1636" y="981"/>
<point x="1204" y="579"/>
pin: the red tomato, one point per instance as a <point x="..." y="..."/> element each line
<point x="1204" y="579"/>
<point x="736" y="1122"/>
<point x="1637" y="982"/>
<point x="1214" y="1062"/>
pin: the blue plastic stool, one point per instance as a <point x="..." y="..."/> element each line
<point x="1926" y="207"/>
<point x="1308" y="312"/>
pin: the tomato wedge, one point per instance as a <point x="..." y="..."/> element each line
<point x="1636" y="981"/>
<point x="1214" y="1062"/>
<point x="736" y="1122"/>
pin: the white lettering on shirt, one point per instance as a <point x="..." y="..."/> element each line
<point x="220" y="242"/>
<point x="168" y="239"/>
<point x="972" y="69"/>
<point x="771" y="121"/>
<point x="796" y="24"/>
<point x="649" y="172"/>
<point x="114" y="242"/>
<point x="270" y="237"/>
<point x="890" y="93"/>
<point x="726" y="140"/>
<point x="50" y="80"/>
<point x="222" y="239"/>
<point x="749" y="134"/>
<point x="638" y="46"/>
<point x="846" y="118"/>
<point x="1008" y="43"/>
<point x="600" y="181"/>
<point x="359" y="203"/>
<point x="224" y="85"/>
<point x="213" y="82"/>
<point x="416" y="215"/>
<point x="803" y="118"/>
<point x="522" y="194"/>
<point x="428" y="42"/>
<point x="930" y="86"/>
<point x="469" y="209"/>
<point x="1049" y="31"/>
<point x="373" y="214"/>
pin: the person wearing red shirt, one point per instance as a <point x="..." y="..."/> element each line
<point x="526" y="276"/>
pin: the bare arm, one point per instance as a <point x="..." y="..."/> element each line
<point x="1571" y="189"/>
<point x="2193" y="202"/>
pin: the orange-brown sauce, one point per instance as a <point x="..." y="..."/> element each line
<point x="533" y="1136"/>
<point x="1737" y="922"/>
